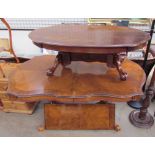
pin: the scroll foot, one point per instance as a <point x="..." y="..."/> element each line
<point x="117" y="128"/>
<point x="41" y="128"/>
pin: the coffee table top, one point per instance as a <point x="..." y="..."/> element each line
<point x="88" y="36"/>
<point x="78" y="82"/>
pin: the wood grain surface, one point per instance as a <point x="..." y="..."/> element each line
<point x="89" y="38"/>
<point x="79" y="117"/>
<point x="77" y="82"/>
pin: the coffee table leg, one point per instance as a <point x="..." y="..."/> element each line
<point x="118" y="61"/>
<point x="51" y="71"/>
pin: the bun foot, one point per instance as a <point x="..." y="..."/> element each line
<point x="41" y="128"/>
<point x="117" y="128"/>
<point x="141" y="123"/>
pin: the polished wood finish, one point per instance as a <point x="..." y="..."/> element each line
<point x="7" y="69"/>
<point x="78" y="82"/>
<point x="69" y="36"/>
<point x="18" y="107"/>
<point x="6" y="104"/>
<point x="83" y="42"/>
<point x="79" y="117"/>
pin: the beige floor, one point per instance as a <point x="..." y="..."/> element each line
<point x="12" y="124"/>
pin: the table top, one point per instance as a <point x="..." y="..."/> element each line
<point x="77" y="82"/>
<point x="88" y="36"/>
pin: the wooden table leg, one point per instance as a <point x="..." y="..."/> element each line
<point x="111" y="60"/>
<point x="118" y="61"/>
<point x="51" y="71"/>
<point x="143" y="118"/>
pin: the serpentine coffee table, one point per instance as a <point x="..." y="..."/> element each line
<point x="78" y="83"/>
<point x="90" y="43"/>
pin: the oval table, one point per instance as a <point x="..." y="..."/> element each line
<point x="89" y="43"/>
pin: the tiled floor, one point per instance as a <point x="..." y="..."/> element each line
<point x="12" y="124"/>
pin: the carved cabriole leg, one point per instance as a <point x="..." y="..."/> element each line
<point x="51" y="71"/>
<point x="119" y="58"/>
<point x="142" y="118"/>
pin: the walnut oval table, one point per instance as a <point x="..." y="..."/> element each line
<point x="89" y="43"/>
<point x="79" y="82"/>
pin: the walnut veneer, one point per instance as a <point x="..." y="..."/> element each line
<point x="78" y="82"/>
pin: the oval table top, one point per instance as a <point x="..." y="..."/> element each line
<point x="77" y="82"/>
<point x="66" y="37"/>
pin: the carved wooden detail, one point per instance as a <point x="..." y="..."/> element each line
<point x="89" y="43"/>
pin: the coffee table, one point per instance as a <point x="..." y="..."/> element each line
<point x="89" y="43"/>
<point x="78" y="83"/>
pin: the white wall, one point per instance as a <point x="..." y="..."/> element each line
<point x="22" y="45"/>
